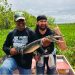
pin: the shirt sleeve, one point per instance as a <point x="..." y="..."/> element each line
<point x="7" y="44"/>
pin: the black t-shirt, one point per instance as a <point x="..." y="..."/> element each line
<point x="16" y="39"/>
<point x="49" y="49"/>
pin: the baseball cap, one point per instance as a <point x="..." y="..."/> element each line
<point x="41" y="17"/>
<point x="18" y="16"/>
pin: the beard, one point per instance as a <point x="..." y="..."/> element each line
<point x="42" y="28"/>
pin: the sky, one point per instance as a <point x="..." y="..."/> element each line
<point x="60" y="9"/>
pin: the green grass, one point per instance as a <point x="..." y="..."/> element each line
<point x="69" y="33"/>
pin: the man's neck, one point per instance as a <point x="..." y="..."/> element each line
<point x="42" y="31"/>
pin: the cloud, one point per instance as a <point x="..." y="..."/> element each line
<point x="42" y="4"/>
<point x="56" y="8"/>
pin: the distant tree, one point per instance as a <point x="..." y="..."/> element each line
<point x="51" y="23"/>
<point x="30" y="19"/>
<point x="51" y="20"/>
<point x="5" y="10"/>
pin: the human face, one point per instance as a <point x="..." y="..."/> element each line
<point x="20" y="24"/>
<point x="42" y="24"/>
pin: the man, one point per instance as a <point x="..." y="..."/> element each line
<point x="17" y="38"/>
<point x="46" y="58"/>
<point x="20" y="36"/>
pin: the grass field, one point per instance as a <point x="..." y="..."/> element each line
<point x="68" y="30"/>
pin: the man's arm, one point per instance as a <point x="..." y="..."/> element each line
<point x="60" y="42"/>
<point x="7" y="45"/>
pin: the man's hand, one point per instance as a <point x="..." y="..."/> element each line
<point x="45" y="42"/>
<point x="37" y="58"/>
<point x="61" y="44"/>
<point x="13" y="51"/>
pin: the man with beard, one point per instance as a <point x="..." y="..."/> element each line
<point x="42" y="30"/>
<point x="45" y="54"/>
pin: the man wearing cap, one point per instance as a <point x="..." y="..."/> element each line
<point x="46" y="55"/>
<point x="42" y="30"/>
<point x="17" y="38"/>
